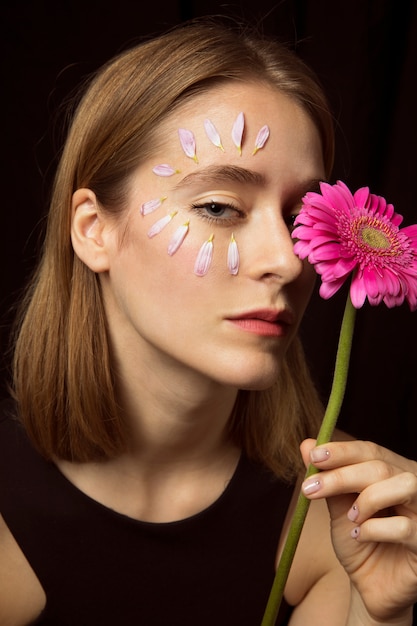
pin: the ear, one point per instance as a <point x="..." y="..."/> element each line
<point x="87" y="231"/>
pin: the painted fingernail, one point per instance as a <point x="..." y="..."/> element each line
<point x="319" y="454"/>
<point x="311" y="485"/>
<point x="355" y="532"/>
<point x="353" y="513"/>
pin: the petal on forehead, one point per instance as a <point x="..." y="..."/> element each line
<point x="212" y="134"/>
<point x="261" y="139"/>
<point x="187" y="141"/>
<point x="237" y="131"/>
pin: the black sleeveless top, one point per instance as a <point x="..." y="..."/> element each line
<point x="100" y="568"/>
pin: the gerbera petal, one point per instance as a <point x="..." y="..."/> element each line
<point x="371" y="282"/>
<point x="204" y="257"/>
<point x="301" y="249"/>
<point x="411" y="233"/>
<point x="357" y="291"/>
<point x="160" y="224"/>
<point x="164" y="169"/>
<point x="327" y="252"/>
<point x="237" y="131"/>
<point x="329" y="288"/>
<point x="212" y="134"/>
<point x="151" y="205"/>
<point x="343" y="267"/>
<point x="187" y="141"/>
<point x="361" y="197"/>
<point x="177" y="238"/>
<point x="338" y="195"/>
<point x="233" y="256"/>
<point x="261" y="139"/>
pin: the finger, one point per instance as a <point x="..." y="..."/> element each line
<point x="400" y="530"/>
<point x="399" y="490"/>
<point x="347" y="479"/>
<point x="336" y="454"/>
<point x="306" y="447"/>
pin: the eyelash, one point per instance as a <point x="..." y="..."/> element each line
<point x="202" y="208"/>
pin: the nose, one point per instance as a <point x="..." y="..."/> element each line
<point x="271" y="254"/>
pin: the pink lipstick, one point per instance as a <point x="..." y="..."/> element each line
<point x="264" y="322"/>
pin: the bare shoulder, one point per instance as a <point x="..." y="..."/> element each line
<point x="22" y="598"/>
<point x="316" y="578"/>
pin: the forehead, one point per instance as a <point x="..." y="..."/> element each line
<point x="293" y="145"/>
<point x="260" y="104"/>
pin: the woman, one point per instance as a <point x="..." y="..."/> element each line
<point x="158" y="376"/>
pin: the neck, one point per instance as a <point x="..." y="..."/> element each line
<point x="177" y="419"/>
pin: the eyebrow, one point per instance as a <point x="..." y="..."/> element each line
<point x="222" y="174"/>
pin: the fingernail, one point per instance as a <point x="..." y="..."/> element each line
<point x="311" y="485"/>
<point x="353" y="513"/>
<point x="355" y="532"/>
<point x="319" y="454"/>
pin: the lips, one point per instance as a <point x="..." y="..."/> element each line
<point x="265" y="322"/>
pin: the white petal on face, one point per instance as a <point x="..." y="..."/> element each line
<point x="233" y="257"/>
<point x="204" y="258"/>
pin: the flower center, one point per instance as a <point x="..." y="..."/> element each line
<point x="374" y="241"/>
<point x="374" y="238"/>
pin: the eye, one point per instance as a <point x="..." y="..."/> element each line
<point x="217" y="211"/>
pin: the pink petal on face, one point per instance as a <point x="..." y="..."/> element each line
<point x="233" y="257"/>
<point x="237" y="131"/>
<point x="160" y="224"/>
<point x="151" y="205"/>
<point x="164" y="170"/>
<point x="212" y="134"/>
<point x="177" y="238"/>
<point x="187" y="141"/>
<point x="261" y="139"/>
<point x="204" y="258"/>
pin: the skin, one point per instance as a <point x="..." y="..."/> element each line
<point x="180" y="361"/>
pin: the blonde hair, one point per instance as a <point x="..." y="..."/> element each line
<point x="63" y="379"/>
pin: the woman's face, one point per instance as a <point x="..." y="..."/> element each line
<point x="227" y="321"/>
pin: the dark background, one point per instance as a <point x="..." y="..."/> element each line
<point x="365" y="53"/>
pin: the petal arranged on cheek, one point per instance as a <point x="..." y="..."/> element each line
<point x="160" y="224"/>
<point x="233" y="256"/>
<point x="151" y="205"/>
<point x="177" y="238"/>
<point x="204" y="258"/>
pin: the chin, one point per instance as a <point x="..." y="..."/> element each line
<point x="262" y="381"/>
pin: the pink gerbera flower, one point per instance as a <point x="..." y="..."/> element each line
<point x="343" y="233"/>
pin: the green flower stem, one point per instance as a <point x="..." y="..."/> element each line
<point x="326" y="430"/>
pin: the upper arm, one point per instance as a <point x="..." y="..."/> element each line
<point x="22" y="598"/>
<point x="317" y="585"/>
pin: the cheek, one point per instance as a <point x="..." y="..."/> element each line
<point x="187" y="250"/>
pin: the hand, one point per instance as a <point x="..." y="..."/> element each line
<point x="371" y="494"/>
